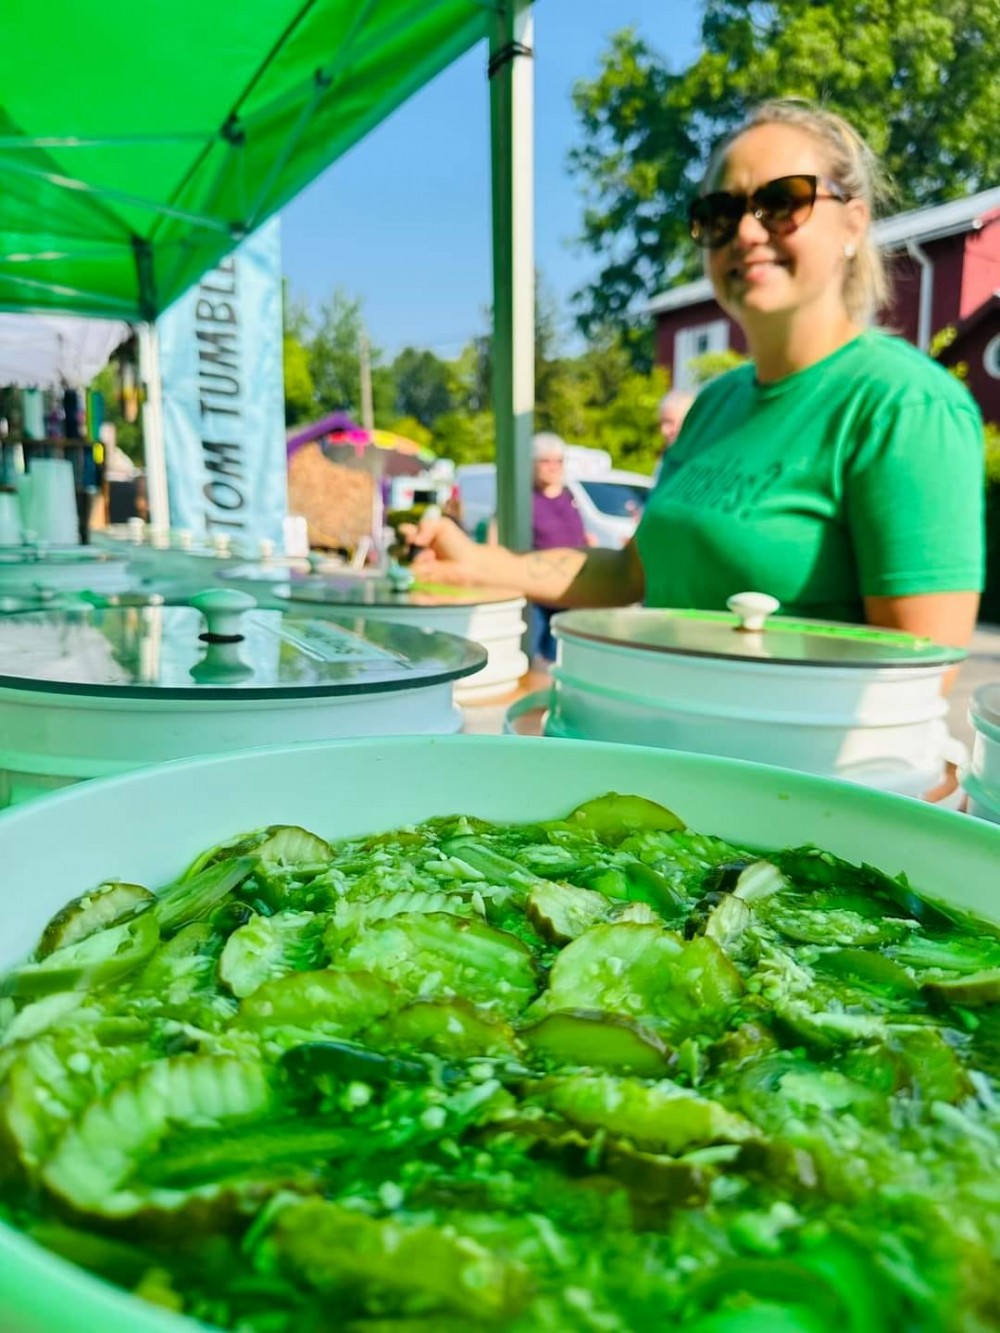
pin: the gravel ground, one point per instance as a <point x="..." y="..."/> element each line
<point x="983" y="665"/>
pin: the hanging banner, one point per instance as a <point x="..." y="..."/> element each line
<point x="223" y="397"/>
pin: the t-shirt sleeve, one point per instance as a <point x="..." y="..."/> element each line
<point x="914" y="500"/>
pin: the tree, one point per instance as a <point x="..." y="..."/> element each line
<point x="915" y="77"/>
<point x="423" y="385"/>
<point x="335" y="361"/>
<point x="465" y="437"/>
<point x="300" y="391"/>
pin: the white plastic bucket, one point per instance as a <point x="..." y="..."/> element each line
<point x="51" y="739"/>
<point x="496" y="626"/>
<point x="881" y="727"/>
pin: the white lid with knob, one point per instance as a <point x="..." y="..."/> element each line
<point x="752" y="609"/>
<point x="783" y="639"/>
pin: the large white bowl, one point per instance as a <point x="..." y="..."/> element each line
<point x="146" y="825"/>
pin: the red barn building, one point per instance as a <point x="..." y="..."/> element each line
<point x="945" y="265"/>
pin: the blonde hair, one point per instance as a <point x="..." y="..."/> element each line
<point x="855" y="167"/>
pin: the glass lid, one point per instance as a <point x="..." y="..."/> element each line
<point x="362" y="589"/>
<point x="720" y="634"/>
<point x="56" y="555"/>
<point x="223" y="647"/>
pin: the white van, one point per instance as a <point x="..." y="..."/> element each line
<point x="610" y="501"/>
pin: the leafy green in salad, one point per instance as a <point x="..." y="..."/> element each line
<point x="601" y="1073"/>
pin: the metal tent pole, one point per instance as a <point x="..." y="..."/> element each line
<point x="511" y="133"/>
<point x="152" y="427"/>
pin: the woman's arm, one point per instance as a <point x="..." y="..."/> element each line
<point x="559" y="577"/>
<point x="945" y="617"/>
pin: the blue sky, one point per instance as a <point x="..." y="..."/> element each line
<point x="403" y="220"/>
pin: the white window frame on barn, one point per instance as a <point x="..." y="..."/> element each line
<point x="694" y="342"/>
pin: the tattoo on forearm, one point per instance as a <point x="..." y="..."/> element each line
<point x="542" y="565"/>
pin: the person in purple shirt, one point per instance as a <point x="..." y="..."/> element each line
<point x="555" y="522"/>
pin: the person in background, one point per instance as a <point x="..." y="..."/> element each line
<point x="840" y="469"/>
<point x="555" y="523"/>
<point x="672" y="411"/>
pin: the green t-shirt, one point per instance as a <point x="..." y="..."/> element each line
<point x="859" y="476"/>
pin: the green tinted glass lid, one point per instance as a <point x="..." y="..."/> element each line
<point x="362" y="590"/>
<point x="48" y="557"/>
<point x="222" y="647"/>
<point x="748" y="634"/>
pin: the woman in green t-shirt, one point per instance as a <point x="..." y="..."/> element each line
<point x="841" y="470"/>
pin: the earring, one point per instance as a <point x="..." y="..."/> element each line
<point x="850" y="251"/>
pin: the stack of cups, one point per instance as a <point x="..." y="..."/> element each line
<point x="10" y="519"/>
<point x="47" y="494"/>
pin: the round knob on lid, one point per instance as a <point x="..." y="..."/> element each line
<point x="752" y="609"/>
<point x="223" y="609"/>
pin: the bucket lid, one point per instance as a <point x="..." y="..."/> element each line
<point x="342" y="590"/>
<point x="221" y="646"/>
<point x="49" y="557"/>
<point x="358" y="589"/>
<point x="814" y="643"/>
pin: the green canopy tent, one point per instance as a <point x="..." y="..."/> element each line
<point x="140" y="143"/>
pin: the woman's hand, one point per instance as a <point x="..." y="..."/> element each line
<point x="559" y="577"/>
<point x="445" y="554"/>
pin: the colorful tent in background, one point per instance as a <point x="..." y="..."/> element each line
<point x="338" y="431"/>
<point x="339" y="476"/>
<point x="388" y="439"/>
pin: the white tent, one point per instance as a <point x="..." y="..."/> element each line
<point x="47" y="351"/>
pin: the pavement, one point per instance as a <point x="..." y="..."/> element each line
<point x="981" y="666"/>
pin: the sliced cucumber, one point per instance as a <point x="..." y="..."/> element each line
<point x="94" y="1167"/>
<point x="585" y="1040"/>
<point x="644" y="972"/>
<point x="661" y="1117"/>
<point x="268" y="947"/>
<point x="102" y="907"/>
<point x="96" y="960"/>
<point x="350" y="916"/>
<point x="278" y="844"/>
<point x="442" y="955"/>
<point x="614" y="816"/>
<point x="560" y="912"/>
<point x="337" y="1003"/>
<point x="331" y="1247"/>
<point x="451" y="1028"/>
<point x="974" y="988"/>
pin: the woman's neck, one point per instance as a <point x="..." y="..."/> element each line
<point x="780" y="347"/>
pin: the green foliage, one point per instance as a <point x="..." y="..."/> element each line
<point x="300" y="391"/>
<point x="465" y="437"/>
<point x="913" y="75"/>
<point x="711" y="364"/>
<point x="424" y="386"/>
<point x="128" y="434"/>
<point x="598" y="397"/>
<point x="334" y="359"/>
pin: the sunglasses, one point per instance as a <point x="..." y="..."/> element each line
<point x="781" y="206"/>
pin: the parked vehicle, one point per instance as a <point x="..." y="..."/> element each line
<point x="610" y="502"/>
